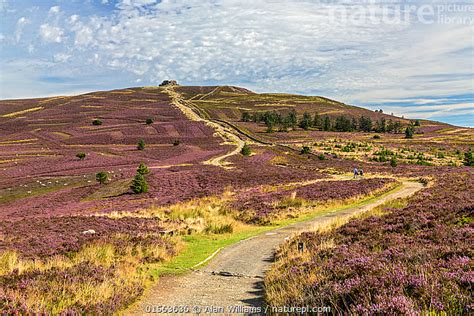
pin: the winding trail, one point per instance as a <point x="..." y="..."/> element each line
<point x="221" y="130"/>
<point x="234" y="276"/>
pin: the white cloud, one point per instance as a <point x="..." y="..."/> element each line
<point x="288" y="46"/>
<point x="52" y="34"/>
<point x="54" y="10"/>
<point x="20" y="24"/>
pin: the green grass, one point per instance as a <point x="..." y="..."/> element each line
<point x="201" y="246"/>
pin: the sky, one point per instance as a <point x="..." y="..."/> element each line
<point x="408" y="57"/>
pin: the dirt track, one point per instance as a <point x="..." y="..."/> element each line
<point x="234" y="277"/>
<point x="224" y="132"/>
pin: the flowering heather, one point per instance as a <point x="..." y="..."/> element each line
<point x="258" y="205"/>
<point x="46" y="237"/>
<point x="102" y="277"/>
<point x="414" y="260"/>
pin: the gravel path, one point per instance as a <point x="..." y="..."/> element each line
<point x="234" y="277"/>
<point x="221" y="130"/>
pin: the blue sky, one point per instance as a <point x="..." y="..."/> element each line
<point x="419" y="63"/>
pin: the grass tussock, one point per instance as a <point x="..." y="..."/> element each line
<point x="209" y="215"/>
<point x="102" y="277"/>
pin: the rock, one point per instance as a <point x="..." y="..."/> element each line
<point x="169" y="83"/>
<point x="88" y="232"/>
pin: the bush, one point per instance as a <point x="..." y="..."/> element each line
<point x="81" y="156"/>
<point x="322" y="157"/>
<point x="96" y="122"/>
<point x="376" y="137"/>
<point x="142" y="169"/>
<point x="408" y="132"/>
<point x="139" y="184"/>
<point x="141" y="145"/>
<point x="468" y="159"/>
<point x="246" y="150"/>
<point x="393" y="162"/>
<point x="176" y="142"/>
<point x="149" y="121"/>
<point x="101" y="177"/>
<point x="305" y="150"/>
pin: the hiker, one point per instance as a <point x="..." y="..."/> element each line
<point x="361" y="172"/>
<point x="356" y="172"/>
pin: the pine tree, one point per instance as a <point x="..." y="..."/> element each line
<point x="409" y="132"/>
<point x="365" y="124"/>
<point x="139" y="184"/>
<point x="292" y="119"/>
<point x="305" y="122"/>
<point x="317" y="122"/>
<point x="327" y="124"/>
<point x="142" y="169"/>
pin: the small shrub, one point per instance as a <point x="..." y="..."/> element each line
<point x="322" y="157"/>
<point x="149" y="121"/>
<point x="468" y="159"/>
<point x="376" y="137"/>
<point x="96" y="122"/>
<point x="139" y="184"/>
<point x="176" y="142"/>
<point x="142" y="169"/>
<point x="393" y="162"/>
<point x="408" y="133"/>
<point x="141" y="145"/>
<point x="305" y="150"/>
<point x="81" y="156"/>
<point x="101" y="177"/>
<point x="246" y="150"/>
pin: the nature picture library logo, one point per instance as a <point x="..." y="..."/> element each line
<point x="362" y="12"/>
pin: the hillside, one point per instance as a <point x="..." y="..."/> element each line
<point x="228" y="103"/>
<point x="113" y="189"/>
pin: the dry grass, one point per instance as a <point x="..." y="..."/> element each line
<point x="207" y="215"/>
<point x="19" y="141"/>
<point x="113" y="272"/>
<point x="18" y="113"/>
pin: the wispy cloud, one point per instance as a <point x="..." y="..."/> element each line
<point x="289" y="46"/>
